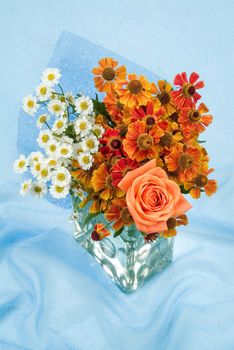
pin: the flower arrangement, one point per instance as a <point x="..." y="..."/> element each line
<point x="133" y="155"/>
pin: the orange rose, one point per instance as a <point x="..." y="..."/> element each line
<point x="152" y="198"/>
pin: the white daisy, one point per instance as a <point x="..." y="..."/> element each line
<point x="77" y="149"/>
<point x="83" y="105"/>
<point x="90" y="144"/>
<point x="35" y="168"/>
<point x="52" y="147"/>
<point x="43" y="92"/>
<point x="51" y="76"/>
<point x="70" y="98"/>
<point x="53" y="162"/>
<point x="44" y="137"/>
<point x="98" y="130"/>
<point x="35" y="157"/>
<point x="58" y="191"/>
<point x="20" y="164"/>
<point x="44" y="174"/>
<point x="25" y="187"/>
<point x="61" y="177"/>
<point x="42" y="119"/>
<point x="67" y="139"/>
<point x="85" y="160"/>
<point x="56" y="107"/>
<point x="38" y="189"/>
<point x="78" y="192"/>
<point x="65" y="150"/>
<point x="30" y="104"/>
<point x="59" y="125"/>
<point x="82" y="126"/>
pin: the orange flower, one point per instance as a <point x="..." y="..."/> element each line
<point x="114" y="107"/>
<point x="201" y="184"/>
<point x="172" y="223"/>
<point x="187" y="94"/>
<point x="102" y="181"/>
<point x="111" y="143"/>
<point x="184" y="161"/>
<point x="117" y="211"/>
<point x="107" y="73"/>
<point x="172" y="134"/>
<point x="164" y="96"/>
<point x="134" y="91"/>
<point x="149" y="114"/>
<point x="142" y="143"/>
<point x="99" y="232"/>
<point x="195" y="120"/>
<point x="97" y="204"/>
<point x="81" y="176"/>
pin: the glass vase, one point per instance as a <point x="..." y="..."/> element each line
<point x="127" y="258"/>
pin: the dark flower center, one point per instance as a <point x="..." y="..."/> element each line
<point x="108" y="73"/>
<point x="166" y="140"/>
<point x="95" y="236"/>
<point x="135" y="86"/>
<point x="145" y="141"/>
<point x="164" y="97"/>
<point x="185" y="161"/>
<point x="174" y="117"/>
<point x="201" y="180"/>
<point x="171" y="223"/>
<point x="150" y="121"/>
<point x="119" y="106"/>
<point x="151" y="237"/>
<point x="116" y="143"/>
<point x="188" y="90"/>
<point x="194" y="116"/>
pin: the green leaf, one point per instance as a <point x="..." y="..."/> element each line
<point x="96" y="96"/>
<point x="117" y="233"/>
<point x="70" y="131"/>
<point x="183" y="190"/>
<point x="200" y="141"/>
<point x="100" y="108"/>
<point x="89" y="217"/>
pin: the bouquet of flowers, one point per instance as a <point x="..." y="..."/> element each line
<point x="131" y="153"/>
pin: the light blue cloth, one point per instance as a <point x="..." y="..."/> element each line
<point x="52" y="293"/>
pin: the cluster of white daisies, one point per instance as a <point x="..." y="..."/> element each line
<point x="67" y="132"/>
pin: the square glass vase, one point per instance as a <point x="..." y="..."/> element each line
<point x="127" y="258"/>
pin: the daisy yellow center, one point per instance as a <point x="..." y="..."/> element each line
<point x="188" y="90"/>
<point x="25" y="187"/>
<point x="108" y="73"/>
<point x="164" y="97"/>
<point x="185" y="161"/>
<point x="30" y="103"/>
<point x="51" y="76"/>
<point x="21" y="163"/>
<point x="84" y="105"/>
<point x="42" y="119"/>
<point x="135" y="86"/>
<point x="83" y="126"/>
<point x="60" y="124"/>
<point x="90" y="144"/>
<point x="201" y="180"/>
<point x="38" y="167"/>
<point x="43" y="90"/>
<point x="56" y="108"/>
<point x="86" y="160"/>
<point x="194" y="116"/>
<point x="59" y="189"/>
<point x="97" y="132"/>
<point x="171" y="223"/>
<point x="64" y="151"/>
<point x="37" y="189"/>
<point x="145" y="141"/>
<point x="44" y="172"/>
<point x="61" y="177"/>
<point x="52" y="148"/>
<point x="52" y="162"/>
<point x="45" y="138"/>
<point x="166" y="140"/>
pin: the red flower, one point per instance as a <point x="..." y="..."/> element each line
<point x="112" y="143"/>
<point x="148" y="113"/>
<point x="187" y="94"/>
<point x="120" y="169"/>
<point x="99" y="232"/>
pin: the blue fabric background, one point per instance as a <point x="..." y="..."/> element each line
<point x="52" y="294"/>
